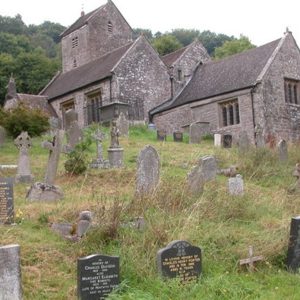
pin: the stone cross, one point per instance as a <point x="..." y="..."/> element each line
<point x="251" y="259"/>
<point x="23" y="143"/>
<point x="55" y="147"/>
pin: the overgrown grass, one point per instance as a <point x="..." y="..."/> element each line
<point x="222" y="225"/>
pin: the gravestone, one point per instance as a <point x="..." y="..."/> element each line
<point x="259" y="138"/>
<point x="47" y="191"/>
<point x="23" y="143"/>
<point x="6" y="201"/>
<point x="282" y="150"/>
<point x="244" y="142"/>
<point x="148" y="165"/>
<point x="218" y="140"/>
<point x="99" y="162"/>
<point x="2" y="136"/>
<point x="197" y="131"/>
<point x="73" y="132"/>
<point x="227" y="141"/>
<point x="293" y="255"/>
<point x="97" y="276"/>
<point x="123" y="124"/>
<point x="55" y="124"/>
<point x="10" y="273"/>
<point x="161" y="135"/>
<point x="209" y="167"/>
<point x="296" y="174"/>
<point x="178" y="136"/>
<point x="180" y="260"/>
<point x="236" y="185"/>
<point x="115" y="152"/>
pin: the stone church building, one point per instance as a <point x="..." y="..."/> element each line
<point x="103" y="64"/>
<point x="256" y="90"/>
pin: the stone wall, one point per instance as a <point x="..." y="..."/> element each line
<point x="278" y="118"/>
<point x="94" y="38"/>
<point x="194" y="53"/>
<point x="141" y="79"/>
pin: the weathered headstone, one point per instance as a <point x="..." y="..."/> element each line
<point x="227" y="141"/>
<point x="293" y="255"/>
<point x="55" y="124"/>
<point x="2" y="136"/>
<point x="10" y="273"/>
<point x="115" y="152"/>
<point x="47" y="191"/>
<point x="209" y="167"/>
<point x="73" y="132"/>
<point x="180" y="260"/>
<point x="23" y="143"/>
<point x="161" y="135"/>
<point x="259" y="138"/>
<point x="6" y="201"/>
<point x="123" y="124"/>
<point x="244" y="142"/>
<point x="197" y="131"/>
<point x="178" y="136"/>
<point x="97" y="276"/>
<point x="236" y="185"/>
<point x="218" y="140"/>
<point x="148" y="165"/>
<point x="282" y="150"/>
<point x="251" y="259"/>
<point x="99" y="162"/>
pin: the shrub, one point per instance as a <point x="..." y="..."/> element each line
<point x="34" y="121"/>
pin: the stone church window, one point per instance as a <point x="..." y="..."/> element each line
<point x="94" y="102"/>
<point x="75" y="42"/>
<point x="230" y="114"/>
<point x="74" y="63"/>
<point x="179" y="75"/>
<point x="291" y="91"/>
<point x="109" y="27"/>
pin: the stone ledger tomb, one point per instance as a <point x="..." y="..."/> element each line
<point x="180" y="260"/>
<point x="10" y="273"/>
<point x="6" y="201"/>
<point x="97" y="276"/>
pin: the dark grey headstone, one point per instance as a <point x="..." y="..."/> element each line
<point x="161" y="135"/>
<point x="180" y="259"/>
<point x="293" y="255"/>
<point x="227" y="140"/>
<point x="10" y="273"/>
<point x="178" y="136"/>
<point x="98" y="276"/>
<point x="6" y="200"/>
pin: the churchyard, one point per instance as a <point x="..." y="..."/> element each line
<point x="236" y="240"/>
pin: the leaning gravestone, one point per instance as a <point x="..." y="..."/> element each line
<point x="236" y="185"/>
<point x="6" y="201"/>
<point x="73" y="132"/>
<point x="10" y="273"/>
<point x="148" y="165"/>
<point x="23" y="143"/>
<point x="293" y="256"/>
<point x="97" y="276"/>
<point x="47" y="191"/>
<point x="244" y="142"/>
<point x="180" y="260"/>
<point x="209" y="167"/>
<point x="2" y="136"/>
<point x="123" y="124"/>
<point x="282" y="150"/>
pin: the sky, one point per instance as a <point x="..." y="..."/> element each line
<point x="261" y="21"/>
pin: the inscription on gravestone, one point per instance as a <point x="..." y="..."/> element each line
<point x="6" y="201"/>
<point x="293" y="256"/>
<point x="98" y="276"/>
<point x="180" y="259"/>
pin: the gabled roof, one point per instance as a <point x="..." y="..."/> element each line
<point x="214" y="78"/>
<point x="170" y="58"/>
<point x="85" y="75"/>
<point x="79" y="23"/>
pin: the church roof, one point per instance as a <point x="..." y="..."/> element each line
<point x="219" y="77"/>
<point x="85" y="75"/>
<point x="170" y="58"/>
<point x="79" y="23"/>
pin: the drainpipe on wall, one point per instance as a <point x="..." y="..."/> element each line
<point x="172" y="81"/>
<point x="253" y="113"/>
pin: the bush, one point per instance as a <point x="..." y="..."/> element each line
<point x="34" y="121"/>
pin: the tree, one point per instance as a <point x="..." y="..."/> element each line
<point x="14" y="44"/>
<point x="6" y="69"/>
<point x="166" y="44"/>
<point x="233" y="47"/>
<point x="12" y="25"/>
<point x="185" y="36"/>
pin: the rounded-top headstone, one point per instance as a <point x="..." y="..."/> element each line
<point x="85" y="215"/>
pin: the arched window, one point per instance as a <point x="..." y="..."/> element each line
<point x="229" y="113"/>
